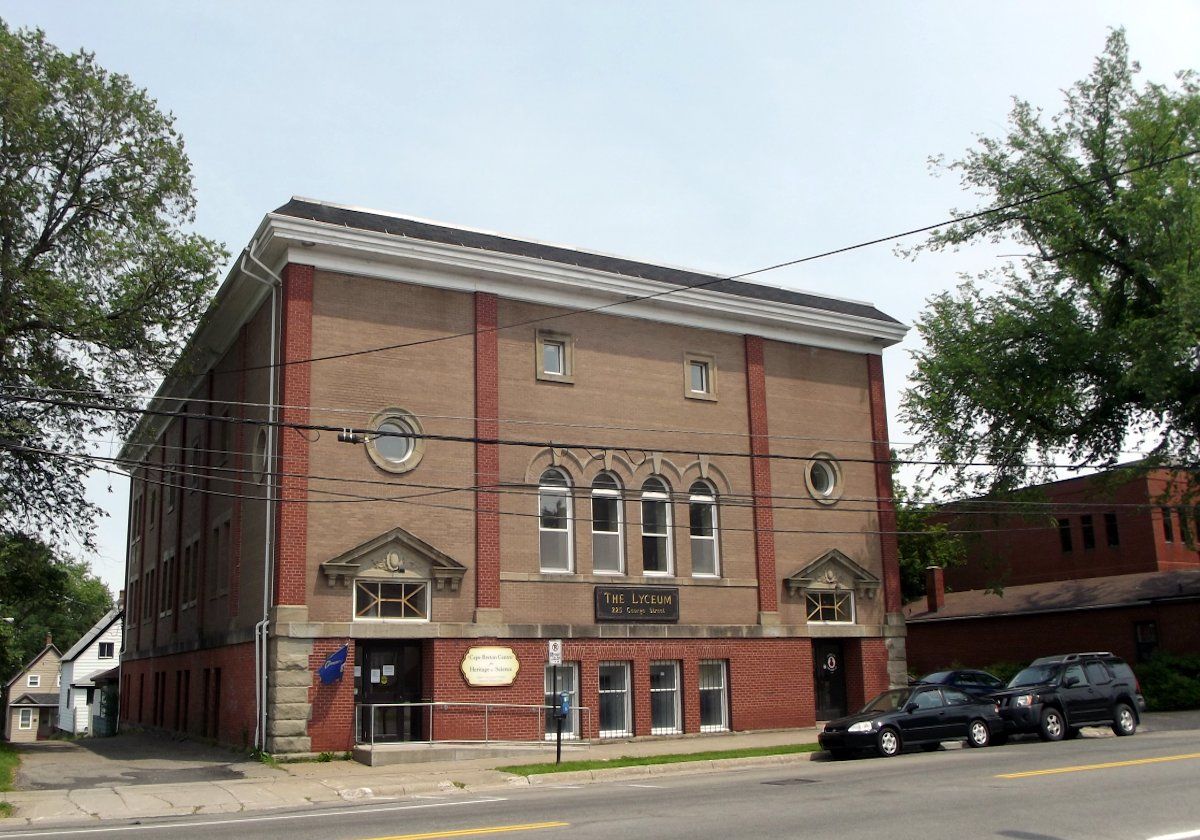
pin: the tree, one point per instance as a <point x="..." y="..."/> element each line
<point x="43" y="594"/>
<point x="1091" y="339"/>
<point x="99" y="282"/>
<point x="923" y="541"/>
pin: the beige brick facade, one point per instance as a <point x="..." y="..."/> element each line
<point x="625" y="408"/>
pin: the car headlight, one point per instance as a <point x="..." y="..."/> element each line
<point x="1024" y="700"/>
<point x="861" y="726"/>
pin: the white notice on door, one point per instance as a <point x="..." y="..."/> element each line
<point x="389" y="670"/>
<point x="374" y="675"/>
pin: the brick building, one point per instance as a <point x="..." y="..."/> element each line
<point x="1102" y="562"/>
<point x="688" y="486"/>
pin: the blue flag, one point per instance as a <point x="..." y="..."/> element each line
<point x="331" y="671"/>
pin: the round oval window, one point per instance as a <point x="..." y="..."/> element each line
<point x="822" y="477"/>
<point x="395" y="443"/>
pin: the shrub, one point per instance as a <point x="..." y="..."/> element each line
<point x="1170" y="682"/>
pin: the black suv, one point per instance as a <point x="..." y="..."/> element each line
<point x="1056" y="695"/>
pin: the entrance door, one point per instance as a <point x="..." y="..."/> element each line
<point x="390" y="673"/>
<point x="829" y="678"/>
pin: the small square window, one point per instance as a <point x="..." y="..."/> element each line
<point x="34" y="681"/>
<point x="699" y="376"/>
<point x="554" y="357"/>
<point x="106" y="650"/>
<point x="26" y="719"/>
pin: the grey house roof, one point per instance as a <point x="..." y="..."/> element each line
<point x="1062" y="596"/>
<point x="36" y="699"/>
<point x="90" y="636"/>
<point x="301" y="208"/>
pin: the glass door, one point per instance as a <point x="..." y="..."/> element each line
<point x="389" y="673"/>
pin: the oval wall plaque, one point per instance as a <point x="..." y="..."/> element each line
<point x="484" y="666"/>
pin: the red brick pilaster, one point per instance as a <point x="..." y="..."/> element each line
<point x="235" y="433"/>
<point x="760" y="476"/>
<point x="487" y="455"/>
<point x="292" y="447"/>
<point x="888" y="547"/>
<point x="331" y="726"/>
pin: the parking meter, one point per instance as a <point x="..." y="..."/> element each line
<point x="563" y="708"/>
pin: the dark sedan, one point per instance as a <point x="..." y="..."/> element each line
<point x="973" y="682"/>
<point x="922" y="715"/>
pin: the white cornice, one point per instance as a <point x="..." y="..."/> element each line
<point x="388" y="256"/>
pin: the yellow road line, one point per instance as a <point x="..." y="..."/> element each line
<point x="471" y="832"/>
<point x="1106" y="766"/>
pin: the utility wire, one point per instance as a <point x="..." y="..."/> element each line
<point x="353" y="498"/>
<point x="637" y="299"/>
<point x="472" y="439"/>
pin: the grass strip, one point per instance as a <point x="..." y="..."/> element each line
<point x="643" y="760"/>
<point x="9" y="759"/>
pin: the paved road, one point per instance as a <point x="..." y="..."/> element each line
<point x="1097" y="788"/>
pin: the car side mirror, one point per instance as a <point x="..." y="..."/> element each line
<point x="910" y="708"/>
<point x="1070" y="682"/>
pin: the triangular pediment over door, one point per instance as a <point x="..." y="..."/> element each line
<point x="831" y="572"/>
<point x="395" y="555"/>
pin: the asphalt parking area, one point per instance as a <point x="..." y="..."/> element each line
<point x="130" y="759"/>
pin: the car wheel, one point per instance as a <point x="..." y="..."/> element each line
<point x="1051" y="727"/>
<point x="1124" y="723"/>
<point x="888" y="742"/>
<point x="978" y="734"/>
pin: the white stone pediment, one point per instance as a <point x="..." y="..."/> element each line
<point x="831" y="572"/>
<point x="394" y="555"/>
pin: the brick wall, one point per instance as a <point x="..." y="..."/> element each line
<point x="231" y="708"/>
<point x="760" y="476"/>
<point x="770" y="683"/>
<point x="487" y="455"/>
<point x="888" y="546"/>
<point x="984" y="641"/>
<point x="295" y="393"/>
<point x="331" y="725"/>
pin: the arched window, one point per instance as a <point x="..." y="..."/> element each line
<point x="607" y="519"/>
<point x="656" y="527"/>
<point x="702" y="526"/>
<point x="554" y="521"/>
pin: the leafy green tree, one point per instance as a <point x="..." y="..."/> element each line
<point x="43" y="594"/>
<point x="923" y="541"/>
<point x="100" y="283"/>
<point x="1091" y="339"/>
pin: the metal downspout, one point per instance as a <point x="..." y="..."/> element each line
<point x="262" y="628"/>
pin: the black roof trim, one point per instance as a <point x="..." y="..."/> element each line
<point x="429" y="232"/>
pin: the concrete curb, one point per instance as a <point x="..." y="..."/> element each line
<point x="681" y="768"/>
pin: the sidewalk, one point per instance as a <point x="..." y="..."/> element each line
<point x="308" y="784"/>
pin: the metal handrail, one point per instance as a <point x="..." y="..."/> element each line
<point x="487" y="708"/>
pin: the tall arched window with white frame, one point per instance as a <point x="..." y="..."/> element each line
<point x="554" y="521"/>
<point x="656" y="527"/>
<point x="702" y="527"/>
<point x="608" y="544"/>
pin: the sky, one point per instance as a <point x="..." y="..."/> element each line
<point x="720" y="136"/>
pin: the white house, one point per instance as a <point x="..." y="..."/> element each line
<point x="96" y="652"/>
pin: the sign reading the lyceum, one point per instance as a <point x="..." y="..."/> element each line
<point x="637" y="603"/>
<point x="490" y="666"/>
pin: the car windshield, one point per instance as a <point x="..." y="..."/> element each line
<point x="1034" y="675"/>
<point x="889" y="701"/>
<point x="936" y="677"/>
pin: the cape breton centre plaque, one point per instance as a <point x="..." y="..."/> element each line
<point x="637" y="603"/>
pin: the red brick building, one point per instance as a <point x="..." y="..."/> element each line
<point x="1093" y="563"/>
<point x="682" y="478"/>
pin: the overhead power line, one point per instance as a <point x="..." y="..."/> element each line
<point x="1012" y="205"/>
<point x="415" y="499"/>
<point x="533" y="444"/>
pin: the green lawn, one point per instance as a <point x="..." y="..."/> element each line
<point x="639" y="761"/>
<point x="9" y="759"/>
